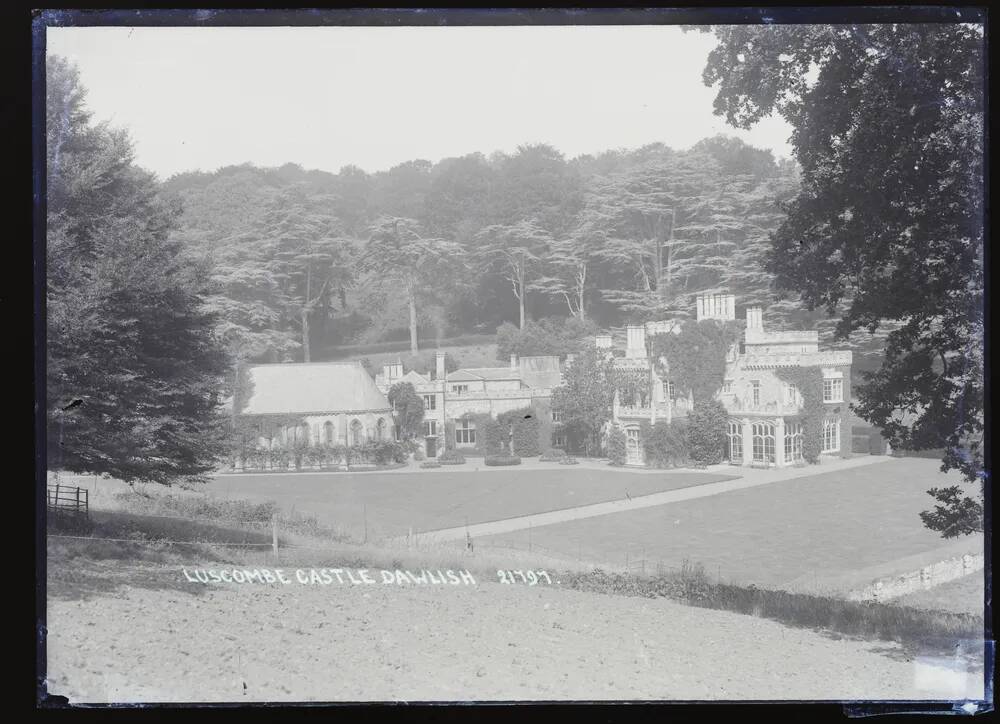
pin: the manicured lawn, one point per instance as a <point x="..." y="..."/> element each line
<point x="793" y="532"/>
<point x="390" y="503"/>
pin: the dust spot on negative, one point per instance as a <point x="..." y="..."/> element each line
<point x="527" y="417"/>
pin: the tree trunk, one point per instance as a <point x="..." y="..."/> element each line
<point x="413" y="322"/>
<point x="305" y="334"/>
<point x="520" y="285"/>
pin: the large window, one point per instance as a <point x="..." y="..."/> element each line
<point x="833" y="389"/>
<point x="793" y="442"/>
<point x="357" y="432"/>
<point x="668" y="389"/>
<point x="430" y="427"/>
<point x="727" y="387"/>
<point x="465" y="432"/>
<point x="459" y="389"/>
<point x="380" y="430"/>
<point x="556" y="416"/>
<point x="755" y="392"/>
<point x="831" y="434"/>
<point x="328" y="432"/>
<point x="735" y="434"/>
<point x="763" y="442"/>
<point x="430" y="402"/>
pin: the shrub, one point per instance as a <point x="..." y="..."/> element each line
<point x="490" y="435"/>
<point x="553" y="455"/>
<point x="499" y="460"/>
<point x="706" y="432"/>
<point x="418" y="454"/>
<point x="430" y="464"/>
<point x="451" y="457"/>
<point x="665" y="443"/>
<point x="524" y="426"/>
<point x="615" y="445"/>
<point x="569" y="461"/>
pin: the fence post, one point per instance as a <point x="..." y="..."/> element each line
<point x="274" y="532"/>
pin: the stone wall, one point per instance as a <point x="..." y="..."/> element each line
<point x="885" y="589"/>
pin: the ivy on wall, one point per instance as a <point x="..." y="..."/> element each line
<point x="809" y="382"/>
<point x="664" y="443"/>
<point x="525" y="431"/>
<point x="695" y="356"/>
<point x="632" y="385"/>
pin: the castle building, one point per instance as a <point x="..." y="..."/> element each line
<point x="764" y="411"/>
<point x="338" y="404"/>
<point x="454" y="396"/>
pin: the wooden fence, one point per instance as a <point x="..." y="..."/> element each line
<point x="68" y="500"/>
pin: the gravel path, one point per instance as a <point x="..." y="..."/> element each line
<point x="162" y="639"/>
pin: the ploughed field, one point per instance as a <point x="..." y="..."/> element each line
<point x="829" y="532"/>
<point x="376" y="505"/>
<point x="128" y="630"/>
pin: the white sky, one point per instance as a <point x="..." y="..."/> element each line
<point x="202" y="98"/>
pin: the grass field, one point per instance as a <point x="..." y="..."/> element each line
<point x="390" y="504"/>
<point x="962" y="595"/>
<point x="794" y="533"/>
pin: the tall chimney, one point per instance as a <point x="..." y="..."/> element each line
<point x="635" y="345"/>
<point x="439" y="366"/>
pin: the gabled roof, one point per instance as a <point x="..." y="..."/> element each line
<point x="303" y="388"/>
<point x="474" y="374"/>
<point x="414" y="378"/>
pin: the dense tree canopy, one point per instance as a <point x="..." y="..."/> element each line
<point x="886" y="229"/>
<point x="134" y="371"/>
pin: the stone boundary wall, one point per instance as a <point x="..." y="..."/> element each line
<point x="885" y="589"/>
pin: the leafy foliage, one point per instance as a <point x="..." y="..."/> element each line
<point x="694" y="359"/>
<point x="664" y="443"/>
<point x="614" y="445"/>
<point x="706" y="431"/>
<point x="134" y="373"/>
<point x="583" y="401"/>
<point x="809" y="383"/>
<point x="408" y="409"/>
<point x="886" y="230"/>
<point x="547" y="336"/>
<point x="525" y="431"/>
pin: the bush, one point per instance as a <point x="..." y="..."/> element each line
<point x="418" y="454"/>
<point x="430" y="464"/>
<point x="615" y="445"/>
<point x="553" y="455"/>
<point x="665" y="443"/>
<point x="500" y="460"/>
<point x="525" y="428"/>
<point x="451" y="457"/>
<point x="569" y="461"/>
<point x="706" y="432"/>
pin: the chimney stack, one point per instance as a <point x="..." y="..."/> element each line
<point x="635" y="346"/>
<point x="513" y="361"/>
<point x="439" y="367"/>
<point x="603" y="341"/>
<point x="715" y="306"/>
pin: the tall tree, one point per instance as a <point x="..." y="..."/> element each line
<point x="400" y="256"/>
<point x="888" y="223"/>
<point x="134" y="372"/>
<point x="514" y="251"/>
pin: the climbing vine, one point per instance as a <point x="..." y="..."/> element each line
<point x="632" y="384"/>
<point x="809" y="382"/>
<point x="694" y="359"/>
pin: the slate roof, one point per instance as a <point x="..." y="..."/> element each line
<point x="303" y="388"/>
<point x="540" y="372"/>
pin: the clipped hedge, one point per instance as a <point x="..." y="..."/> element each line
<point x="501" y="460"/>
<point x="553" y="455"/>
<point x="451" y="457"/>
<point x="569" y="461"/>
<point x="430" y="464"/>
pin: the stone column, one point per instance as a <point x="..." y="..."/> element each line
<point x="747" y="442"/>
<point x="779" y="442"/>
